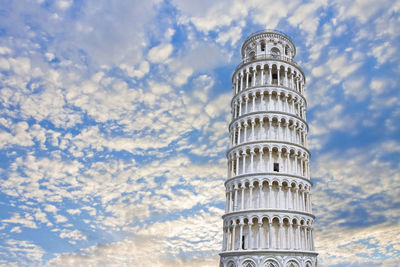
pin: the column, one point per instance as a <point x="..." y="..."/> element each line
<point x="261" y="161"/>
<point x="259" y="235"/>
<point x="290" y="236"/>
<point x="240" y="236"/>
<point x="279" y="75"/>
<point x="287" y="162"/>
<point x="253" y="122"/>
<point x="280" y="236"/>
<point x="254" y="76"/>
<point x="279" y="197"/>
<point x="301" y="247"/>
<point x="287" y="197"/>
<point x="245" y="132"/>
<point x="239" y="127"/>
<point x="295" y="165"/>
<point x="292" y="83"/>
<point x="290" y="198"/>
<point x="247" y="101"/>
<point x="230" y="200"/>
<point x="312" y="238"/>
<point x="286" y="78"/>
<point x="240" y="106"/>
<point x="251" y="196"/>
<point x="269" y="101"/>
<point x="260" y="196"/>
<point x="278" y="130"/>
<point x="227" y="201"/>
<point x="297" y="85"/>
<point x="269" y="136"/>
<point x="262" y="76"/>
<point x="236" y="84"/>
<point x="254" y="101"/>
<point x="279" y="159"/>
<point x="237" y="163"/>
<point x="229" y="239"/>
<point x="250" y="235"/>
<point x="270" y="74"/>
<point x="262" y="101"/>
<point x="224" y="239"/>
<point x="270" y="196"/>
<point x="241" y="81"/>
<point x="244" y="162"/>
<point x="270" y="167"/>
<point x="301" y="167"/>
<point x="236" y="197"/>
<point x="247" y="79"/>
<point x="242" y="200"/>
<point x="251" y="161"/>
<point x="270" y="235"/>
<point x="233" y="236"/>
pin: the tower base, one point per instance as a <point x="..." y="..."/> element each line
<point x="268" y="258"/>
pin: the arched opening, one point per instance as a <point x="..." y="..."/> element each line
<point x="286" y="50"/>
<point x="270" y="263"/>
<point x="252" y="55"/>
<point x="292" y="264"/>
<point x="275" y="52"/>
<point x="262" y="46"/>
<point x="248" y="263"/>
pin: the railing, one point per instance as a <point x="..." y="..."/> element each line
<point x="268" y="30"/>
<point x="266" y="56"/>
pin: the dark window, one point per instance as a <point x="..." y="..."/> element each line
<point x="274" y="76"/>
<point x="242" y="241"/>
<point x="262" y="47"/>
<point x="276" y="167"/>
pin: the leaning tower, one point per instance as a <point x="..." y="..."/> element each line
<point x="268" y="219"/>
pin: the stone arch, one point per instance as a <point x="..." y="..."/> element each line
<point x="275" y="51"/>
<point x="271" y="263"/>
<point x="248" y="263"/>
<point x="292" y="263"/>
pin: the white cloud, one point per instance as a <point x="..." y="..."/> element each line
<point x="5" y="50"/>
<point x="160" y="54"/>
<point x="233" y="34"/>
<point x="182" y="76"/>
<point x="26" y="221"/>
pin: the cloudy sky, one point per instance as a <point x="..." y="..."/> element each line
<point x="113" y="127"/>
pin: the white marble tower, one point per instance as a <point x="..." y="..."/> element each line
<point x="268" y="219"/>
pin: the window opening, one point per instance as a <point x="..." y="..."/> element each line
<point x="276" y="167"/>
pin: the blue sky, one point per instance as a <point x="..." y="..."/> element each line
<point x="114" y="127"/>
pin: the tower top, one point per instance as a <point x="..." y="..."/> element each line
<point x="267" y="41"/>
